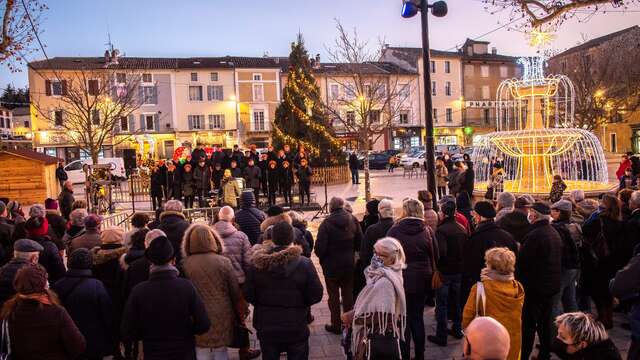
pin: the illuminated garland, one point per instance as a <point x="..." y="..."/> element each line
<point x="314" y="149"/>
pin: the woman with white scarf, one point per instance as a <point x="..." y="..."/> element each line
<point x="380" y="309"/>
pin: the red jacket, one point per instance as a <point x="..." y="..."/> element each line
<point x="460" y="219"/>
<point x="624" y="165"/>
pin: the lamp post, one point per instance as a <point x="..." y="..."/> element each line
<point x="439" y="9"/>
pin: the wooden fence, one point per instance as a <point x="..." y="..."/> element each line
<point x="339" y="174"/>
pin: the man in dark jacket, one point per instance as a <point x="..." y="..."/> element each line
<point x="66" y="199"/>
<point x="61" y="174"/>
<point x="57" y="224"/>
<point x="25" y="252"/>
<point x="249" y="217"/>
<point x="376" y="231"/>
<point x="37" y="230"/>
<point x="486" y="236"/>
<point x="451" y="238"/>
<point x="282" y="286"/>
<point x="335" y="247"/>
<point x="571" y="235"/>
<point x="165" y="312"/>
<point x="626" y="286"/>
<point x="353" y="166"/>
<point x="202" y="180"/>
<point x="6" y="234"/>
<point x="516" y="222"/>
<point x="174" y="224"/>
<point x="197" y="154"/>
<point x="252" y="176"/>
<point x="539" y="272"/>
<point x="238" y="156"/>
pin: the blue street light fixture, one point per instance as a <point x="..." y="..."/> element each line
<point x="439" y="9"/>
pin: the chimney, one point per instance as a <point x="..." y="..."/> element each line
<point x="316" y="62"/>
<point x="115" y="54"/>
<point x="318" y="59"/>
<point x="277" y="60"/>
<point x="494" y="50"/>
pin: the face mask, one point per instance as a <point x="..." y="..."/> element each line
<point x="376" y="262"/>
<point x="559" y="347"/>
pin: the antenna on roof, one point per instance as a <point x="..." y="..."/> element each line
<point x="109" y="43"/>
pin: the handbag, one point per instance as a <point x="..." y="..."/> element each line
<point x="5" y="346"/>
<point x="436" y="277"/>
<point x="481" y="299"/>
<point x="240" y="334"/>
<point x="382" y="346"/>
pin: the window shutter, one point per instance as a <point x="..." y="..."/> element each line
<point x="47" y="87"/>
<point x="132" y="123"/>
<point x="141" y="95"/>
<point x="190" y="119"/>
<point x="220" y="93"/>
<point x="210" y="122"/>
<point x="155" y="94"/>
<point x="142" y="124"/>
<point x="116" y="127"/>
<point x="64" y="87"/>
<point x="156" y="122"/>
<point x="209" y="92"/>
<point x="222" y="122"/>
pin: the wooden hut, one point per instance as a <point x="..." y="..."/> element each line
<point x="28" y="176"/>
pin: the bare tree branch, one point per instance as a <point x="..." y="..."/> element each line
<point x="17" y="33"/>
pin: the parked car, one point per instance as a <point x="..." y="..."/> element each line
<point x="377" y="161"/>
<point x="413" y="159"/>
<point x="76" y="173"/>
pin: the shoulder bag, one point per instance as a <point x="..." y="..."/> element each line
<point x="481" y="299"/>
<point x="5" y="346"/>
<point x="436" y="277"/>
<point x="379" y="346"/>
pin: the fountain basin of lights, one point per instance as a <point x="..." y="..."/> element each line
<point x="536" y="140"/>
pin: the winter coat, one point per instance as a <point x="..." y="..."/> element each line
<point x="540" y="260"/>
<point x="174" y="224"/>
<point x="304" y="174"/>
<point x="338" y="235"/>
<point x="89" y="239"/>
<point x="603" y="350"/>
<point x="303" y="238"/>
<point x="286" y="178"/>
<point x="570" y="256"/>
<point x="557" y="189"/>
<point x="90" y="307"/>
<point x="454" y="181"/>
<point x="230" y="192"/>
<point x="43" y="332"/>
<point x="504" y="300"/>
<point x="236" y="172"/>
<point x="65" y="201"/>
<point x="597" y="278"/>
<point x="61" y="174"/>
<point x="50" y="258"/>
<point x="156" y="183"/>
<point x="420" y="250"/>
<point x="374" y="233"/>
<point x="165" y="313"/>
<point x="441" y="176"/>
<point x="134" y="273"/>
<point x="282" y="286"/>
<point x="299" y="237"/>
<point x="626" y="286"/>
<point x="452" y="238"/>
<point x="202" y="179"/>
<point x="469" y="179"/>
<point x="236" y="248"/>
<point x="252" y="175"/>
<point x="249" y="217"/>
<point x="173" y="184"/>
<point x="631" y="231"/>
<point x="515" y="223"/>
<point x="353" y="162"/>
<point x="215" y="280"/>
<point x="368" y="220"/>
<point x="486" y="236"/>
<point x="106" y="268"/>
<point x="273" y="175"/>
<point x="6" y="243"/>
<point x="188" y="187"/>
<point x="216" y="177"/>
<point x="628" y="182"/>
<point x="7" y="275"/>
<point x="57" y="227"/>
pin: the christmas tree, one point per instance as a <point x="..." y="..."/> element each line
<point x="300" y="118"/>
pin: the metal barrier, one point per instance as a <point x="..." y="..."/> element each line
<point x="121" y="220"/>
<point x="339" y="174"/>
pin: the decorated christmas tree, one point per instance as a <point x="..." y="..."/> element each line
<point x="300" y="118"/>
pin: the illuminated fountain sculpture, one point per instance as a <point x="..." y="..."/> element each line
<point x="535" y="137"/>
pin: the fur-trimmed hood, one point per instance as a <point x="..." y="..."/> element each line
<point x="102" y="255"/>
<point x="171" y="213"/>
<point x="272" y="220"/>
<point x="127" y="258"/>
<point x="269" y="257"/>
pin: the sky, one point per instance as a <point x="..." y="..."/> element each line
<point x="169" y="28"/>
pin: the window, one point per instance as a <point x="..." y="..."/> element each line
<point x="258" y="120"/>
<point x="447" y="67"/>
<point x="196" y="122"/>
<point x="93" y="87"/>
<point x="366" y="90"/>
<point x="195" y="93"/>
<point x="435" y="115"/>
<point x="56" y="88"/>
<point x="147" y="78"/>
<point x="433" y="88"/>
<point x="433" y="66"/>
<point x="121" y="78"/>
<point x="214" y="76"/>
<point x="335" y="91"/>
<point x="613" y="142"/>
<point x="415" y="141"/>
<point x="447" y="88"/>
<point x="486" y="116"/>
<point x="404" y="92"/>
<point x="381" y="92"/>
<point x="351" y="118"/>
<point x="95" y="117"/>
<point x="216" y="121"/>
<point x="257" y="77"/>
<point x="469" y="70"/>
<point x="485" y="92"/>
<point x="26" y="123"/>
<point x="149" y="122"/>
<point x="504" y="71"/>
<point x="215" y="93"/>
<point x="58" y="117"/>
<point x="148" y="95"/>
<point x="194" y="76"/>
<point x="449" y="115"/>
<point x="404" y="117"/>
<point x="350" y="91"/>
<point x="258" y="92"/>
<point x="124" y="123"/>
<point x="484" y="71"/>
<point x="374" y="116"/>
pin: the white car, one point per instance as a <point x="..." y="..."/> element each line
<point x="76" y="174"/>
<point x="415" y="159"/>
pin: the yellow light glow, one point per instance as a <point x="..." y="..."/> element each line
<point x="539" y="38"/>
<point x="599" y="93"/>
<point x="232" y="98"/>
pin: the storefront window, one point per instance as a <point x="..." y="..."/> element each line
<point x="397" y="144"/>
<point x="415" y="141"/>
<point x="50" y="151"/>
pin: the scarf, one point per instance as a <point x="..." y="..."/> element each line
<point x="159" y="268"/>
<point x="381" y="300"/>
<point x="42" y="298"/>
<point x="491" y="274"/>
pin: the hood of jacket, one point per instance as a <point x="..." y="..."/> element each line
<point x="272" y="220"/>
<point x="171" y="220"/>
<point x="340" y="219"/>
<point x="410" y="225"/>
<point x="103" y="255"/>
<point x="505" y="295"/>
<point x="514" y="220"/>
<point x="275" y="259"/>
<point x="224" y="228"/>
<point x="129" y="257"/>
<point x="247" y="200"/>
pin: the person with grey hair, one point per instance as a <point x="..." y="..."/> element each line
<point x="539" y="271"/>
<point x="338" y="235"/>
<point x="76" y="227"/>
<point x="25" y="252"/>
<point x="174" y="224"/>
<point x="376" y="231"/>
<point x="582" y="207"/>
<point x="505" y="203"/>
<point x="35" y="211"/>
<point x="580" y="336"/>
<point x="421" y="250"/>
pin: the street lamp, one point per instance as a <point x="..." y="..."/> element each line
<point x="439" y="9"/>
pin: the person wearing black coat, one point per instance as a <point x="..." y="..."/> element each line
<point x="37" y="229"/>
<point x="197" y="154"/>
<point x="57" y="225"/>
<point x="188" y="187"/>
<point x="202" y="181"/>
<point x="286" y="181"/>
<point x="249" y="217"/>
<point x="539" y="270"/>
<point x="421" y="251"/>
<point x="304" y="173"/>
<point x="173" y="184"/>
<point x="273" y="177"/>
<point x="88" y="304"/>
<point x="238" y="156"/>
<point x="353" y="166"/>
<point x="216" y="176"/>
<point x="263" y="164"/>
<point x="469" y="175"/>
<point x="61" y="174"/>
<point x="516" y="222"/>
<point x="252" y="175"/>
<point x="335" y="246"/>
<point x="156" y="187"/>
<point x="282" y="286"/>
<point x="25" y="252"/>
<point x="236" y="170"/>
<point x="174" y="225"/>
<point x="66" y="199"/>
<point x="164" y="312"/>
<point x="376" y="231"/>
<point x="6" y="235"/>
<point x="569" y="233"/>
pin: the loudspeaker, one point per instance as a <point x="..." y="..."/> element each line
<point x="129" y="157"/>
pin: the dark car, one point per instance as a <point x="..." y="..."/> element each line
<point x="377" y="161"/>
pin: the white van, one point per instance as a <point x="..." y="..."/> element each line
<point x="76" y="174"/>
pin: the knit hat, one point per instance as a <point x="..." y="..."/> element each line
<point x="37" y="226"/>
<point x="226" y="214"/>
<point x="562" y="205"/>
<point x="541" y="207"/>
<point x="80" y="259"/>
<point x="30" y="279"/>
<point x="372" y="207"/>
<point x="522" y="202"/>
<point x="274" y="210"/>
<point x="51" y="204"/>
<point x="506" y="200"/>
<point x="113" y="235"/>
<point x="92" y="221"/>
<point x="37" y="210"/>
<point x="282" y="234"/>
<point x="160" y="251"/>
<point x="485" y="209"/>
<point x="448" y="208"/>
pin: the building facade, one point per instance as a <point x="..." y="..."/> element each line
<point x="21" y="122"/>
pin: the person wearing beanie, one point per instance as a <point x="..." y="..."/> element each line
<point x="505" y="203"/>
<point x="88" y="304"/>
<point x="57" y="224"/>
<point x="371" y="215"/>
<point x="516" y="222"/>
<point x="37" y="230"/>
<point x="282" y="285"/>
<point x="39" y="327"/>
<point x="486" y="235"/>
<point x="539" y="269"/>
<point x="6" y="234"/>
<point x="25" y="252"/>
<point x="249" y="217"/>
<point x="164" y="312"/>
<point x="236" y="243"/>
<point x="377" y="231"/>
<point x="90" y="238"/>
<point x="174" y="224"/>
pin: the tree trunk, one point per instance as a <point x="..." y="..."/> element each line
<point x="367" y="180"/>
<point x="94" y="156"/>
